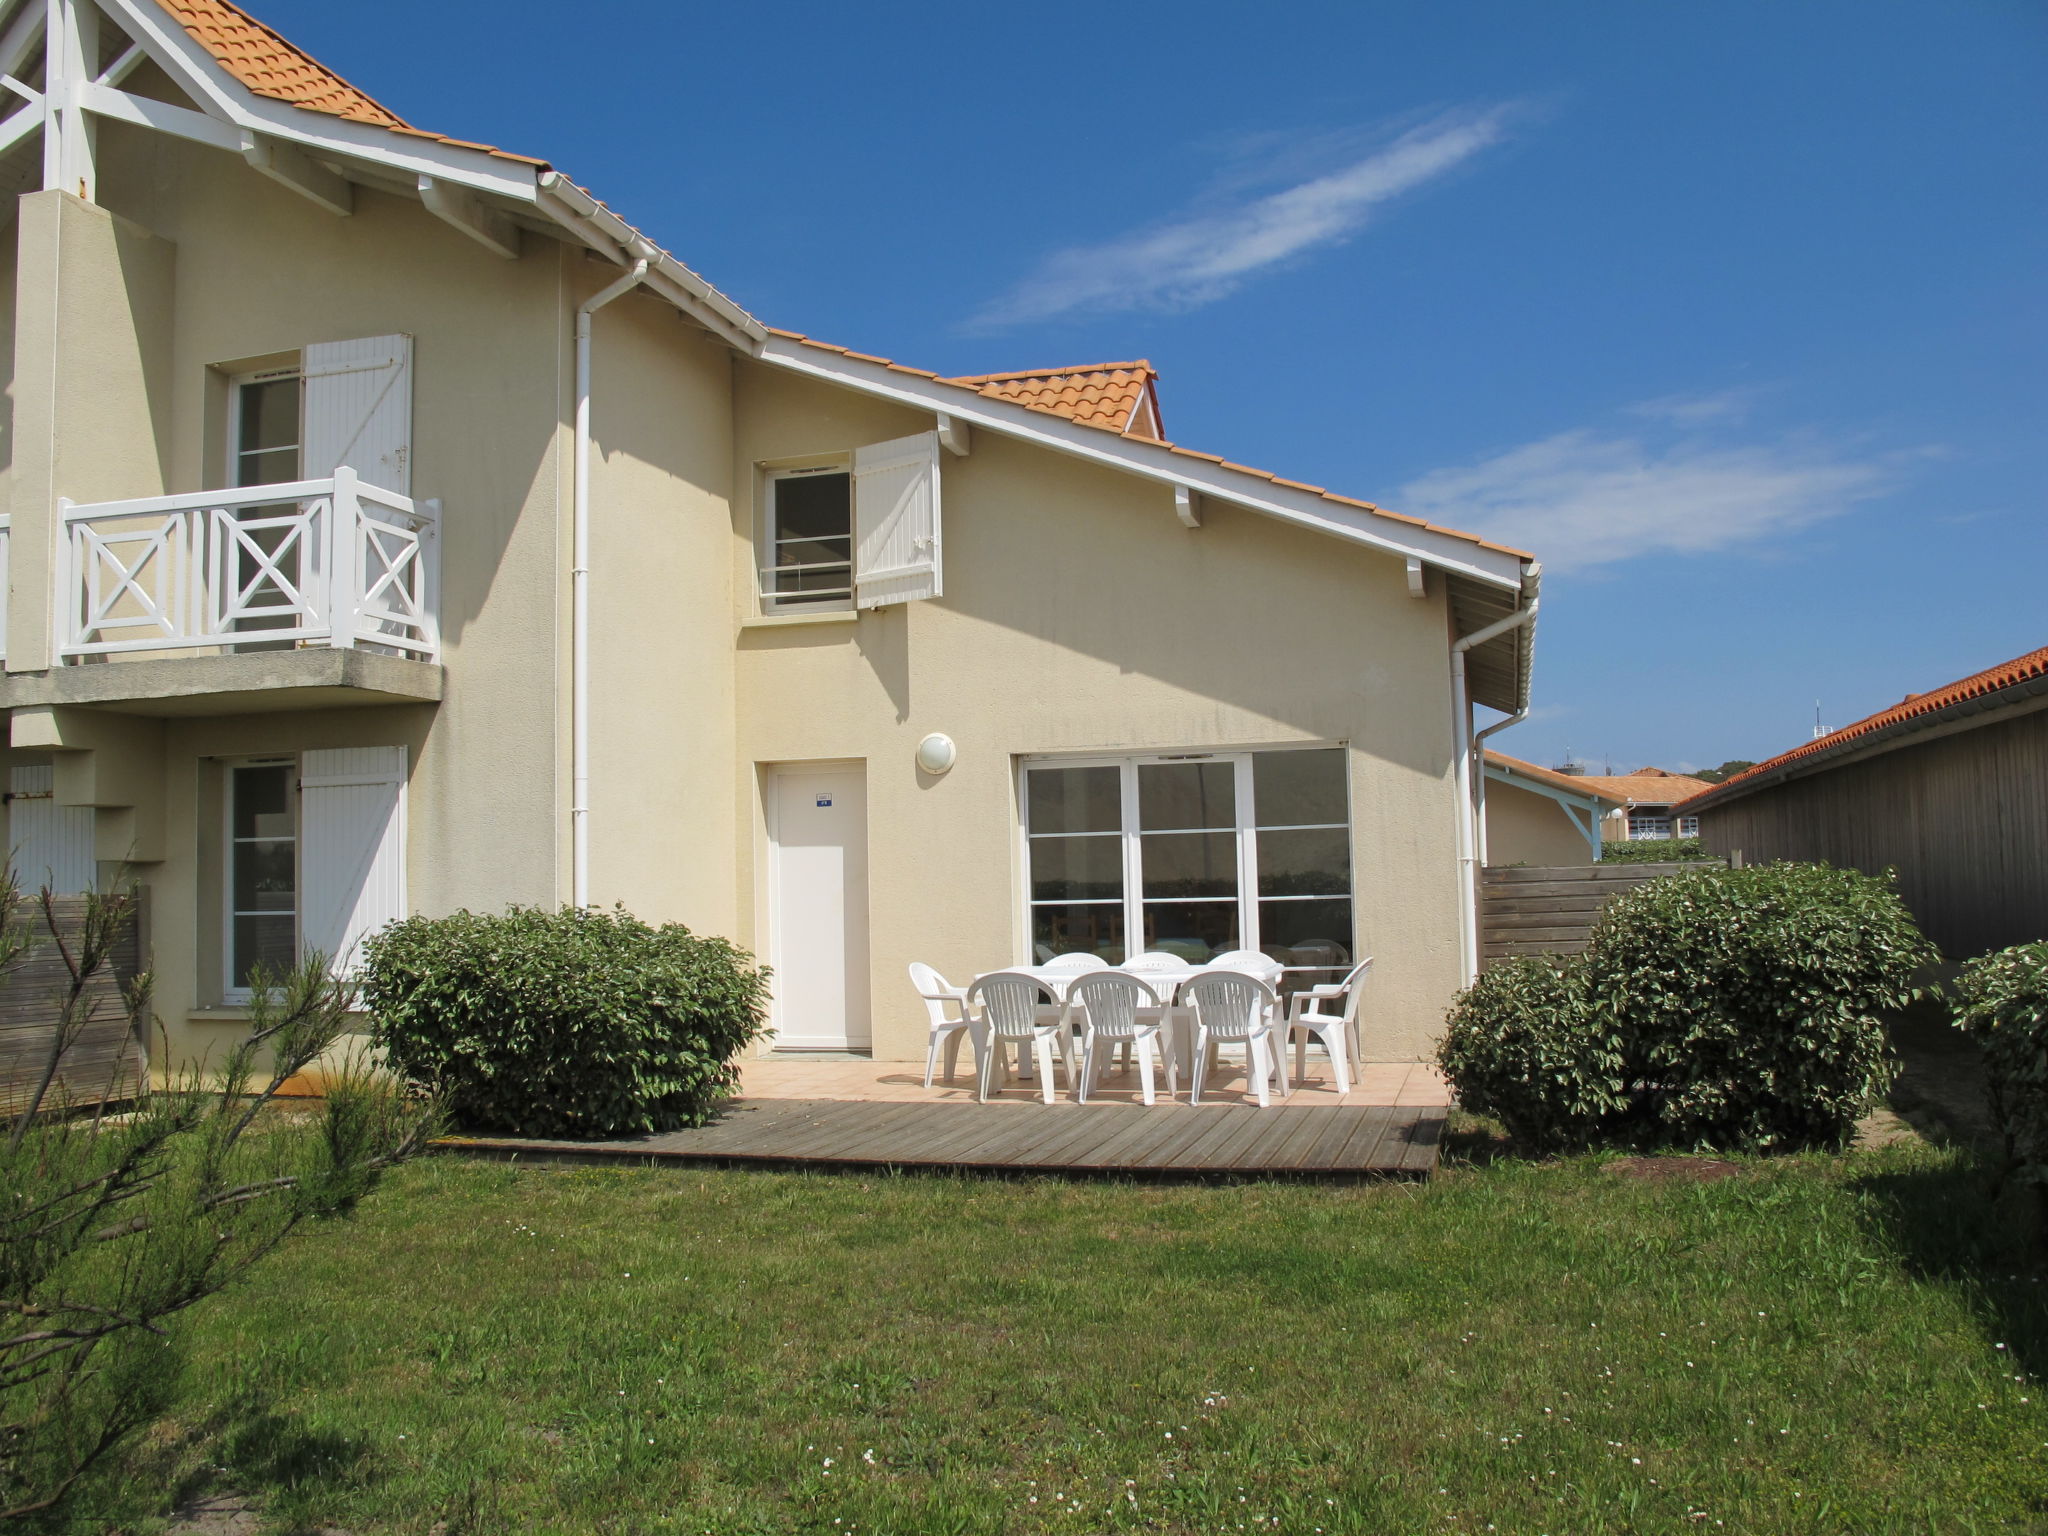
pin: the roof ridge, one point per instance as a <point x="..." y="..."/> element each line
<point x="1992" y="679"/>
<point x="1138" y="365"/>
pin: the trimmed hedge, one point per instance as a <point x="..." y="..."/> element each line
<point x="2002" y="1001"/>
<point x="573" y="1024"/>
<point x="1677" y="850"/>
<point x="1743" y="1005"/>
<point x="1526" y="1048"/>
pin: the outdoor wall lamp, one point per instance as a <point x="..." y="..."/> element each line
<point x="936" y="753"/>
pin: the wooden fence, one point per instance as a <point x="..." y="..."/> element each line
<point x="106" y="1061"/>
<point x="1537" y="911"/>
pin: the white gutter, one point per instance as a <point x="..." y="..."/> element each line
<point x="579" y="595"/>
<point x="1468" y="838"/>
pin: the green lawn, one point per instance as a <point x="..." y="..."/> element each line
<point x="1808" y="1346"/>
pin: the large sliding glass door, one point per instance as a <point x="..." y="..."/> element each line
<point x="1192" y="854"/>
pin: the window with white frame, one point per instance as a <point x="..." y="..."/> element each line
<point x="1649" y="829"/>
<point x="265" y="418"/>
<point x="809" y="540"/>
<point x="262" y="870"/>
<point x="1191" y="854"/>
<point x="314" y="858"/>
<point x="1688" y="826"/>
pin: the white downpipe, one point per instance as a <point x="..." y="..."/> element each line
<point x="1467" y="745"/>
<point x="1479" y="774"/>
<point x="579" y="596"/>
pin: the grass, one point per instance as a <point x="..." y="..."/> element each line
<point x="1814" y="1345"/>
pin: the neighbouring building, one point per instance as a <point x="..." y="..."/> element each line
<point x="1948" y="787"/>
<point x="394" y="528"/>
<point x="1538" y="816"/>
<point x="1644" y="803"/>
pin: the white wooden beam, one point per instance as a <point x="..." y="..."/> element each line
<point x="953" y="435"/>
<point x="22" y="35"/>
<point x="1418" y="577"/>
<point x="463" y="209"/>
<point x="1187" y="506"/>
<point x="18" y="127"/>
<point x="291" y="166"/>
<point x="124" y="66"/>
<point x="180" y="122"/>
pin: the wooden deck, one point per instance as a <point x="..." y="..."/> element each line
<point x="1167" y="1139"/>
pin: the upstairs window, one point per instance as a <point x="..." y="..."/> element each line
<point x="810" y="540"/>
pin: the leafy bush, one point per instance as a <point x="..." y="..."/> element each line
<point x="1525" y="1047"/>
<point x="577" y="1023"/>
<point x="1733" y="1008"/>
<point x="1748" y="1000"/>
<point x="2002" y="1001"/>
<point x="1675" y="850"/>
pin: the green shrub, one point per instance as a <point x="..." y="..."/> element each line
<point x="1743" y="1006"/>
<point x="2002" y="1000"/>
<point x="1677" y="850"/>
<point x="1748" y="1000"/>
<point x="1526" y="1047"/>
<point x="569" y="1024"/>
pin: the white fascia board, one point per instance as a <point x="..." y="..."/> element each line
<point x="201" y="76"/>
<point x="1151" y="461"/>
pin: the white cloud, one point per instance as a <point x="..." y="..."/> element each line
<point x="1699" y="410"/>
<point x="1583" y="499"/>
<point x="1201" y="256"/>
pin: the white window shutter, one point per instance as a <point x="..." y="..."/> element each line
<point x="351" y="848"/>
<point x="52" y="843"/>
<point x="896" y="520"/>
<point x="359" y="410"/>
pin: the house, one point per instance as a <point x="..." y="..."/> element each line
<point x="394" y="528"/>
<point x="1646" y="801"/>
<point x="1948" y="787"/>
<point x="1537" y="816"/>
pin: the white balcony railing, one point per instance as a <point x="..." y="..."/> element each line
<point x="334" y="562"/>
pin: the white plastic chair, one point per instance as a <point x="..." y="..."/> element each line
<point x="1156" y="961"/>
<point x="1006" y="1003"/>
<point x="1309" y="1012"/>
<point x="1108" y="1007"/>
<point x="1077" y="960"/>
<point x="1252" y="961"/>
<point x="946" y="1007"/>
<point x="1233" y="1006"/>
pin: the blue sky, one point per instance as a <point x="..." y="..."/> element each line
<point x="1733" y="313"/>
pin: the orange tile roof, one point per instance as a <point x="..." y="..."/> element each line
<point x="2031" y="667"/>
<point x="1646" y="786"/>
<point x="1096" y="394"/>
<point x="1209" y="458"/>
<point x="258" y="58"/>
<point x="1577" y="783"/>
<point x="272" y="67"/>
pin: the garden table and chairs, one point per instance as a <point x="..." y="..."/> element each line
<point x="1164" y="1014"/>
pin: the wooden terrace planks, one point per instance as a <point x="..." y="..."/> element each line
<point x="1169" y="1138"/>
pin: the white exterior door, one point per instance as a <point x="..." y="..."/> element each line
<point x="818" y="942"/>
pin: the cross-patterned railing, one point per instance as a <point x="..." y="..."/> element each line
<point x="334" y="562"/>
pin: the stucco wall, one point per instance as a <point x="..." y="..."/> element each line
<point x="1523" y="827"/>
<point x="1080" y="615"/>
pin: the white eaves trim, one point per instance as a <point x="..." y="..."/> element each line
<point x="200" y="75"/>
<point x="1495" y="568"/>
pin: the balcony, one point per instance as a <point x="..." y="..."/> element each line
<point x="299" y="595"/>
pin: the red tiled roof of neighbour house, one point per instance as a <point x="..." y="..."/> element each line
<point x="1192" y="453"/>
<point x="1577" y="783"/>
<point x="1097" y="394"/>
<point x="269" y="66"/>
<point x="2032" y="667"/>
<point x="1646" y="786"/>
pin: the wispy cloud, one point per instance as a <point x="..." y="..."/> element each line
<point x="1699" y="410"/>
<point x="1208" y="251"/>
<point x="1584" y="499"/>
